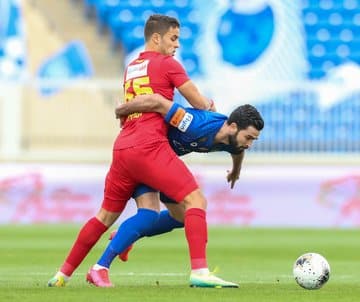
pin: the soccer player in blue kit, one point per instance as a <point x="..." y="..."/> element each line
<point x="192" y="130"/>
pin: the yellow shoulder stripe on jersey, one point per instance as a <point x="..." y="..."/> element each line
<point x="177" y="117"/>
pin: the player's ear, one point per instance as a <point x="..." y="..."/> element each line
<point x="233" y="128"/>
<point x="156" y="38"/>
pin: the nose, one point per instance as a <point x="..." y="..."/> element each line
<point x="248" y="144"/>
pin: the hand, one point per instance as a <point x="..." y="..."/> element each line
<point x="117" y="111"/>
<point x="122" y="121"/>
<point x="232" y="177"/>
<point x="212" y="106"/>
<point x="122" y="118"/>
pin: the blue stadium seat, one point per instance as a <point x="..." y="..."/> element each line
<point x="103" y="11"/>
<point x="294" y="121"/>
<point x="190" y="61"/>
<point x="124" y="21"/>
<point x="130" y="37"/>
<point x="331" y="29"/>
<point x="188" y="35"/>
<point x="12" y="41"/>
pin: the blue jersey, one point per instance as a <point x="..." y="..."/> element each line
<point x="194" y="130"/>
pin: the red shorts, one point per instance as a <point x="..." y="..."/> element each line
<point x="155" y="165"/>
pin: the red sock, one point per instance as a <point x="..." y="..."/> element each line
<point x="87" y="238"/>
<point x="196" y="235"/>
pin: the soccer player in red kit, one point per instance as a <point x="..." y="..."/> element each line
<point x="142" y="154"/>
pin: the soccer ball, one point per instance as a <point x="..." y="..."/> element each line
<point x="311" y="271"/>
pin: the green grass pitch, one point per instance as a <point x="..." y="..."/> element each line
<point x="259" y="259"/>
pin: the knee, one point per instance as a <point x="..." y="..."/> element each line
<point x="195" y="199"/>
<point x="106" y="217"/>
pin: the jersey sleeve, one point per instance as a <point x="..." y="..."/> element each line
<point x="175" y="71"/>
<point x="179" y="117"/>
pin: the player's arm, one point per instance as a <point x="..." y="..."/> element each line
<point x="234" y="174"/>
<point x="144" y="103"/>
<point x="191" y="93"/>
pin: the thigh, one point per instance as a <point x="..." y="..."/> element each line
<point x="119" y="185"/>
<point x="160" y="168"/>
<point x="149" y="200"/>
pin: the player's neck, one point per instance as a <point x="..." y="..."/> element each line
<point x="151" y="47"/>
<point x="223" y="135"/>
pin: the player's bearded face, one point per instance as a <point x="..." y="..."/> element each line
<point x="233" y="141"/>
<point x="169" y="42"/>
<point x="243" y="139"/>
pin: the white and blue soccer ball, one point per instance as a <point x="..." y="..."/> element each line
<point x="311" y="271"/>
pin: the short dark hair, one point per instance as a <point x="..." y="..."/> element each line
<point x="245" y="116"/>
<point x="159" y="24"/>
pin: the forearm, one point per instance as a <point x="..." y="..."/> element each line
<point x="237" y="160"/>
<point x="191" y="93"/>
<point x="234" y="174"/>
<point x="144" y="103"/>
<point x="201" y="102"/>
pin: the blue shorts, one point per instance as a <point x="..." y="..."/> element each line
<point x="142" y="189"/>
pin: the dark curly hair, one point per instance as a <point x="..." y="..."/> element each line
<point x="245" y="116"/>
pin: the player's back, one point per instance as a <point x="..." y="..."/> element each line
<point x="195" y="131"/>
<point x="150" y="73"/>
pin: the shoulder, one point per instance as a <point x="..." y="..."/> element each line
<point x="171" y="61"/>
<point x="208" y="114"/>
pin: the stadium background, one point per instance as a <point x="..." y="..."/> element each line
<point x="61" y="65"/>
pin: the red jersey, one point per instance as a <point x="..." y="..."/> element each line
<point x="150" y="73"/>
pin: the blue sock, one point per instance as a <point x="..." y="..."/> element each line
<point x="164" y="224"/>
<point x="129" y="231"/>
